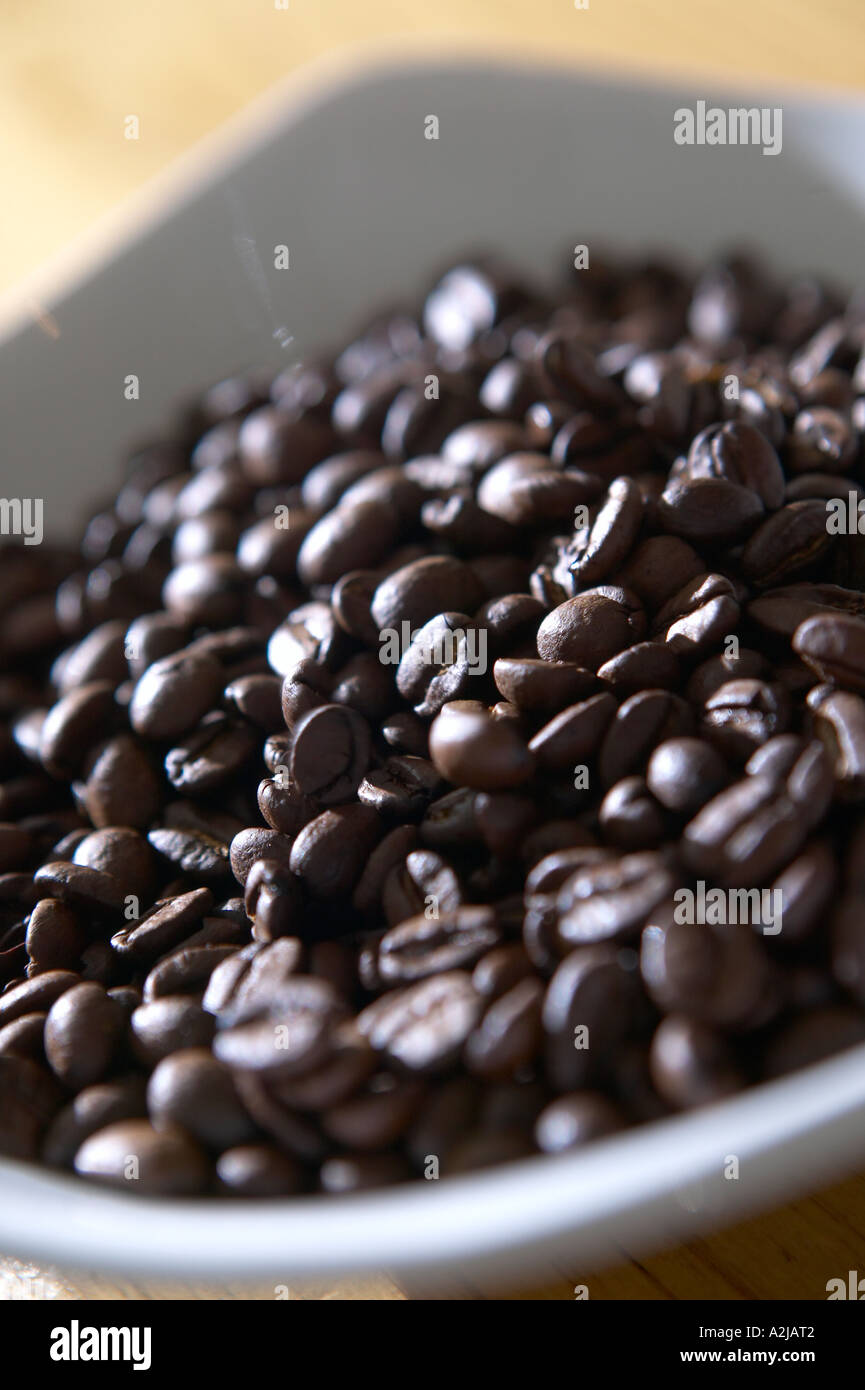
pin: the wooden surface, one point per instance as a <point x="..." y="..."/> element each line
<point x="71" y="71"/>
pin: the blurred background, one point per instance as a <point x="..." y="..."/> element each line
<point x="72" y="70"/>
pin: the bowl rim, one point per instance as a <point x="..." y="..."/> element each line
<point x="487" y="1217"/>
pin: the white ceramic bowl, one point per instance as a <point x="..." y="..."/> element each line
<point x="181" y="291"/>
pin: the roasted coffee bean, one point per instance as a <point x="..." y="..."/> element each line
<point x="646" y="665"/>
<point x="591" y="628"/>
<point x="166" y="1025"/>
<point x="576" y="1119"/>
<point x="258" y="699"/>
<point x="330" y="753"/>
<point x="640" y="724"/>
<point x="249" y="845"/>
<point x="281" y="1028"/>
<point x="402" y="789"/>
<point x="840" y="724"/>
<point x="423" y="882"/>
<point x="690" y="1063"/>
<point x="187" y="970"/>
<point x="122" y="853"/>
<point x="423" y="1028"/>
<point x="24" y="1037"/>
<point x="215" y="752"/>
<point x="81" y="887"/>
<point x="574" y="735"/>
<point x="631" y="818"/>
<point x="74" y="724"/>
<point x="83" y="1030"/>
<point x="273" y="899"/>
<point x="470" y="748"/>
<point x="193" y="1091"/>
<point x="423" y="946"/>
<point x="131" y="1153"/>
<point x="329" y="853"/>
<point x="55" y="938"/>
<point x="92" y="1109"/>
<point x="509" y="1036"/>
<point x="439" y="662"/>
<point x="834" y="647"/>
<point x="532" y="684"/>
<point x="259" y="1170"/>
<point x="790" y="543"/>
<point x="586" y="1013"/>
<point x="611" y="900"/>
<point x="699" y="616"/>
<point x="174" y="693"/>
<point x="122" y="785"/>
<point x="684" y="773"/>
<point x="418" y="591"/>
<point x="720" y="975"/>
<point x="165" y="926"/>
<point x="743" y="715"/>
<point x="29" y="1098"/>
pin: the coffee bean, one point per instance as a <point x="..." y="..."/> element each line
<point x="92" y="1109"/>
<point x="166" y="925"/>
<point x="834" y="647"/>
<point x="193" y="1091"/>
<point x="611" y="900"/>
<point x="273" y="899"/>
<point x="420" y="590"/>
<point x="166" y="1025"/>
<point x="573" y="1120"/>
<point x="439" y="663"/>
<point x="585" y="1013"/>
<point x="174" y="693"/>
<point x="122" y="786"/>
<point x="423" y="1028"/>
<point x="472" y="749"/>
<point x="690" y="1063"/>
<point x="330" y="852"/>
<point x="74" y="724"/>
<point x="82" y="1033"/>
<point x="591" y="628"/>
<point x="684" y="773"/>
<point x="330" y="753"/>
<point x="29" y="1098"/>
<point x="258" y="1170"/>
<point x="423" y="946"/>
<point x="130" y="1153"/>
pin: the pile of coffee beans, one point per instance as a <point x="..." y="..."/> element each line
<point x="449" y="750"/>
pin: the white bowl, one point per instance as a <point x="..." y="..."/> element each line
<point x="181" y="291"/>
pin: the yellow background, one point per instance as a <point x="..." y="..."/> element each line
<point x="70" y="70"/>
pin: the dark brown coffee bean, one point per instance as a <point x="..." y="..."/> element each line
<point x="257" y="843"/>
<point x="330" y="852"/>
<point x="611" y="900"/>
<point x="420" y="590"/>
<point x="431" y="944"/>
<point x="787" y="544"/>
<point x="440" y="661"/>
<point x="741" y="454"/>
<point x="691" y="1063"/>
<point x="719" y="974"/>
<point x="585" y="1013"/>
<point x="591" y="628"/>
<point x="282" y="1029"/>
<point x="188" y="970"/>
<point x="388" y="855"/>
<point x="55" y="939"/>
<point x="571" y="1121"/>
<point x="424" y="1027"/>
<point x="215" y="752"/>
<point x="840" y="724"/>
<point x="193" y="1091"/>
<point x="131" y="1154"/>
<point x="402" y="789"/>
<point x="645" y="666"/>
<point x="699" y="616"/>
<point x="24" y="1037"/>
<point x="122" y="853"/>
<point x="574" y="735"/>
<point x="473" y="750"/>
<point x="29" y="1098"/>
<point x="422" y="883"/>
<point x="82" y="1034"/>
<point x="743" y="715"/>
<point x="74" y="724"/>
<point x="509" y="1036"/>
<point x="81" y="887"/>
<point x="834" y="647"/>
<point x="273" y="900"/>
<point x="641" y="723"/>
<point x="92" y="1109"/>
<point x="684" y="773"/>
<point x="166" y="1025"/>
<point x="330" y="753"/>
<point x="531" y="683"/>
<point x="122" y="786"/>
<point x="259" y="1170"/>
<point x="165" y="926"/>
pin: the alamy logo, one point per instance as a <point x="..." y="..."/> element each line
<point x="740" y="125"/>
<point x="22" y="516"/>
<point x="719" y="907"/>
<point x="853" y="1287"/>
<point x="77" y="1343"/>
<point x="443" y="647"/>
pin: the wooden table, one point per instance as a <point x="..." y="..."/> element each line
<point x="69" y="75"/>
